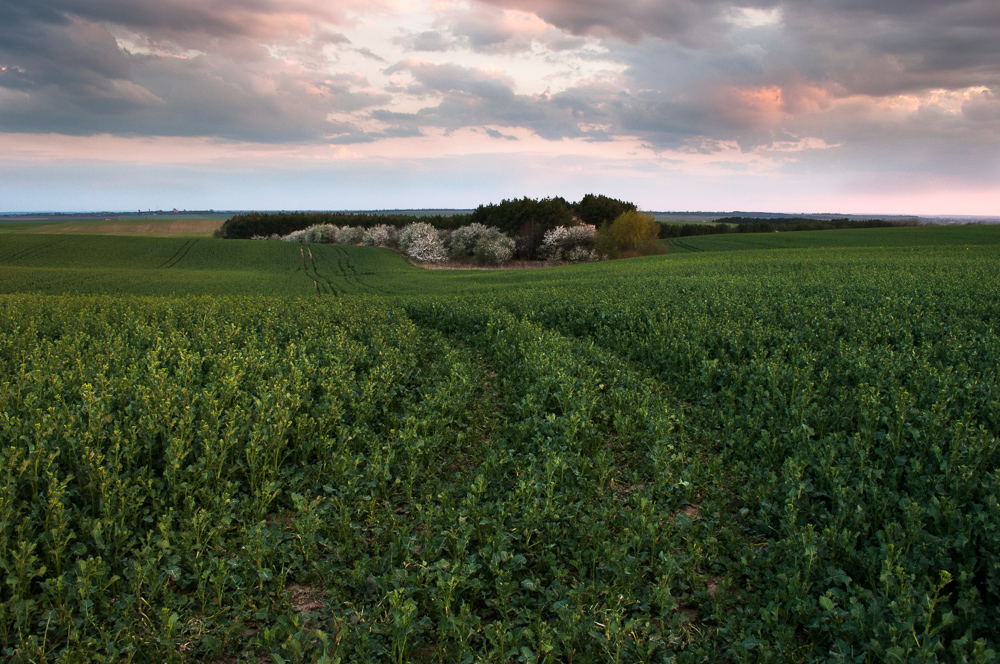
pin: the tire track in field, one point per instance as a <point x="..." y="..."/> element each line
<point x="320" y="279"/>
<point x="321" y="284"/>
<point x="348" y="271"/>
<point x="178" y="255"/>
<point x="688" y="247"/>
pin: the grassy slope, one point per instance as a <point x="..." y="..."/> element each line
<point x="177" y="266"/>
<point x="98" y="264"/>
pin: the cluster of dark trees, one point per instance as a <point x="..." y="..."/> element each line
<point x="250" y="224"/>
<point x="526" y="217"/>
<point x="781" y="224"/>
<point x="510" y="216"/>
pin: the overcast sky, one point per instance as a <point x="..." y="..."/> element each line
<point x="853" y="106"/>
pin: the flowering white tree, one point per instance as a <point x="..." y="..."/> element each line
<point x="350" y="235"/>
<point x="463" y="240"/>
<point x="381" y="235"/>
<point x="580" y="254"/>
<point x="496" y="250"/>
<point x="296" y="236"/>
<point x="316" y="234"/>
<point x="559" y="242"/>
<point x="420" y="241"/>
<point x="321" y="233"/>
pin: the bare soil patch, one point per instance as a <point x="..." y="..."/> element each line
<point x="469" y="265"/>
<point x="167" y="227"/>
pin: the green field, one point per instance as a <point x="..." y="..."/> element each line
<point x="920" y="236"/>
<point x="780" y="454"/>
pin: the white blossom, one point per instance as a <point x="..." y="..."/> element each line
<point x="580" y="254"/>
<point x="381" y="235"/>
<point x="558" y="242"/>
<point x="420" y="241"/>
<point x="463" y="240"/>
<point x="322" y="233"/>
<point x="495" y="250"/>
<point x="350" y="235"/>
<point x="296" y="236"/>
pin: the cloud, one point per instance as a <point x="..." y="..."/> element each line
<point x="982" y="106"/>
<point x="908" y="85"/>
<point x="493" y="133"/>
<point x="243" y="71"/>
<point x="427" y="41"/>
<point x="197" y="19"/>
<point x="895" y="83"/>
<point x="687" y="21"/>
<point x="490" y="30"/>
<point x="476" y="97"/>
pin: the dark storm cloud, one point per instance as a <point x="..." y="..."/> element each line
<point x="63" y="70"/>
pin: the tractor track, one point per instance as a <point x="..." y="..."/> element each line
<point x="178" y="255"/>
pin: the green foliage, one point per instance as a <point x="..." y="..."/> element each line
<point x="773" y="225"/>
<point x="599" y="210"/>
<point x="169" y="266"/>
<point x="921" y="236"/>
<point x="632" y="233"/>
<point x="514" y="216"/>
<point x="750" y="456"/>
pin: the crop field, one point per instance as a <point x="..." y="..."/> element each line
<point x="95" y="264"/>
<point x="141" y="225"/>
<point x="919" y="236"/>
<point x="767" y="456"/>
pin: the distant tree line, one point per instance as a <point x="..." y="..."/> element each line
<point x="250" y="224"/>
<point x="781" y="224"/>
<point x="526" y="219"/>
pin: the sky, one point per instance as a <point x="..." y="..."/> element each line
<point x="840" y="106"/>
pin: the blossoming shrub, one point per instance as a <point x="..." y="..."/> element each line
<point x="380" y="235"/>
<point x="580" y="254"/>
<point x="322" y="233"/>
<point x="559" y="242"/>
<point x="495" y="250"/>
<point x="296" y="236"/>
<point x="349" y="235"/>
<point x="316" y="234"/>
<point x="463" y="241"/>
<point x="420" y="241"/>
